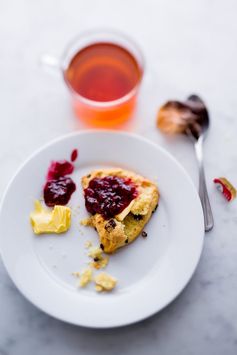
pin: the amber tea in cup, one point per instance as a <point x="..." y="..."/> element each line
<point x="103" y="72"/>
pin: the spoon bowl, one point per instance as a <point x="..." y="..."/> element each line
<point x="200" y="123"/>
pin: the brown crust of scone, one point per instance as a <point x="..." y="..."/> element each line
<point x="122" y="230"/>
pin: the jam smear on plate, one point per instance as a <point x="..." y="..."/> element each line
<point x="109" y="196"/>
<point x="74" y="155"/>
<point x="59" y="187"/>
<point x="58" y="169"/>
<point x="58" y="192"/>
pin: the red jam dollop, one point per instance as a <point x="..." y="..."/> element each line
<point x="59" y="168"/>
<point x="109" y="196"/>
<point x="74" y="155"/>
<point x="58" y="192"/>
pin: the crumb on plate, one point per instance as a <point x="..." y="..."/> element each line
<point x="95" y="252"/>
<point x="76" y="273"/>
<point x="99" y="261"/>
<point x="85" y="277"/>
<point x="86" y="222"/>
<point x="104" y="282"/>
<point x="88" y="244"/>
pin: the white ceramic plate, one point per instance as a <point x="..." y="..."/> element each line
<point x="151" y="272"/>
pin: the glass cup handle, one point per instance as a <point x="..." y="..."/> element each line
<point x="51" y="64"/>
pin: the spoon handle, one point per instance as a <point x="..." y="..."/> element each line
<point x="207" y="212"/>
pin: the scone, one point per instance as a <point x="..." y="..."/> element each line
<point x="121" y="203"/>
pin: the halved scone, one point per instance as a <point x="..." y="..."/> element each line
<point x="109" y="191"/>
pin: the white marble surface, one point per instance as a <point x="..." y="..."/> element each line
<point x="190" y="46"/>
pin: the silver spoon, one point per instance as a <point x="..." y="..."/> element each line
<point x="197" y="133"/>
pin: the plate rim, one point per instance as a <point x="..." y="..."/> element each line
<point x="118" y="133"/>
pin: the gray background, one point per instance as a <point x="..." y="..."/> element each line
<point x="190" y="46"/>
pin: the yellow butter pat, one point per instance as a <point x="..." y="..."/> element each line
<point x="46" y="221"/>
